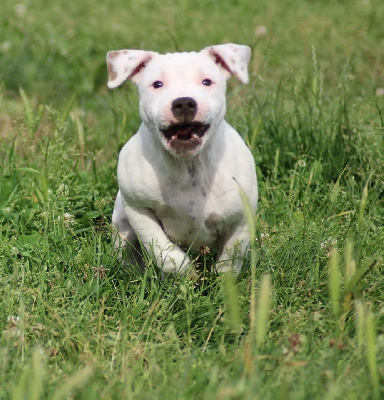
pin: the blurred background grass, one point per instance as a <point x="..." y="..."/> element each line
<point x="54" y="49"/>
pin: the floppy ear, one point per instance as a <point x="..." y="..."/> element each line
<point x="126" y="64"/>
<point x="233" y="58"/>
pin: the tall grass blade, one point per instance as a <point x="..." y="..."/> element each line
<point x="123" y="127"/>
<point x="250" y="218"/>
<point x="251" y="141"/>
<point x="36" y="379"/>
<point x="28" y="111"/>
<point x="80" y="132"/>
<point x="231" y="296"/>
<point x="363" y="204"/>
<point x="68" y="108"/>
<point x="249" y="215"/>
<point x="263" y="310"/>
<point x="2" y="89"/>
<point x="18" y="391"/>
<point x="350" y="271"/>
<point x="350" y="263"/>
<point x="360" y="323"/>
<point x="371" y="353"/>
<point x="360" y="272"/>
<point x="315" y="80"/>
<point x="334" y="285"/>
<point x="31" y="381"/>
<point x="74" y="382"/>
<point x="381" y="116"/>
<point x="276" y="164"/>
<point x="335" y="191"/>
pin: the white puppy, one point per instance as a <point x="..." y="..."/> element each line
<point x="180" y="175"/>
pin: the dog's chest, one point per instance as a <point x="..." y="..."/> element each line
<point x="199" y="213"/>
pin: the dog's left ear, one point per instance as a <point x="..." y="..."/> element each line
<point x="233" y="58"/>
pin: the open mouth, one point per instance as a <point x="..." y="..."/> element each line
<point x="188" y="132"/>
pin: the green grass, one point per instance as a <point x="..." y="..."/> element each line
<point x="306" y="317"/>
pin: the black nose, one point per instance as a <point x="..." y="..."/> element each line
<point x="184" y="109"/>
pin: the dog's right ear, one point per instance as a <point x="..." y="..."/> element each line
<point x="126" y="64"/>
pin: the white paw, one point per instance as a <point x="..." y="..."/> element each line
<point x="225" y="267"/>
<point x="174" y="262"/>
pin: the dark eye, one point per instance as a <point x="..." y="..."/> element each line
<point x="157" y="84"/>
<point x="207" y="82"/>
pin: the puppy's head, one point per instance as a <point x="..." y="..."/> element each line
<point x="182" y="95"/>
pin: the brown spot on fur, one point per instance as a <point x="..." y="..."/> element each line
<point x="214" y="224"/>
<point x="213" y="220"/>
<point x="112" y="74"/>
<point x="113" y="54"/>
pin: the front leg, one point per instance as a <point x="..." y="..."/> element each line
<point x="169" y="257"/>
<point x="233" y="249"/>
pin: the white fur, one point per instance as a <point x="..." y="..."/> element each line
<point x="174" y="197"/>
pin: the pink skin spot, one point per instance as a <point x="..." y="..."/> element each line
<point x="219" y="60"/>
<point x="137" y="69"/>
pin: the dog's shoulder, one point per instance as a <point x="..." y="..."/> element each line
<point x="136" y="175"/>
<point x="238" y="162"/>
<point x="237" y="154"/>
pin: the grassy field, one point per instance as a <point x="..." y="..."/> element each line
<point x="306" y="317"/>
